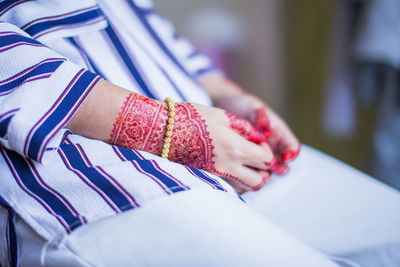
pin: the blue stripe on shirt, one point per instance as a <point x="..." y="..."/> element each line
<point x="123" y="53"/>
<point x="23" y="173"/>
<point x="4" y="125"/>
<point x="5" y="5"/>
<point x="77" y="162"/>
<point x="158" y="40"/>
<point x="11" y="40"/>
<point x="85" y="55"/>
<point x="37" y="28"/>
<point x="59" y="113"/>
<point x="148" y="167"/>
<point x="46" y="66"/>
<point x="207" y="178"/>
<point x="5" y="120"/>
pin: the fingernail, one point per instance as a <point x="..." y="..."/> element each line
<point x="281" y="169"/>
<point x="289" y="155"/>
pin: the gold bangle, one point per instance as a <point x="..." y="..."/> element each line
<point x="170" y="126"/>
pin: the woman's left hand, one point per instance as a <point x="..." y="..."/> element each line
<point x="278" y="135"/>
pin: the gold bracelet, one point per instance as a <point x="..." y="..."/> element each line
<point x="170" y="126"/>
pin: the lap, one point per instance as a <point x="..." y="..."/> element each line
<point x="321" y="205"/>
<point x="194" y="228"/>
<point x="333" y="208"/>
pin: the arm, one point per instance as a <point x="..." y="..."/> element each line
<point x="227" y="95"/>
<point x="39" y="92"/>
<point x="206" y="138"/>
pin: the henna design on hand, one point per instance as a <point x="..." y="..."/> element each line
<point x="290" y="155"/>
<point x="141" y="124"/>
<point x="245" y="129"/>
<point x="262" y="123"/>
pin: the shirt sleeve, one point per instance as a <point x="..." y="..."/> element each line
<point x="39" y="93"/>
<point x="195" y="63"/>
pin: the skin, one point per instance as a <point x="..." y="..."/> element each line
<point x="278" y="136"/>
<point x="203" y="137"/>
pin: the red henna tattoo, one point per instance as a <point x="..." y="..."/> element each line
<point x="191" y="143"/>
<point x="244" y="128"/>
<point x="142" y="122"/>
<point x="262" y="123"/>
<point x="290" y="155"/>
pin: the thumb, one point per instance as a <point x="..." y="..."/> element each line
<point x="245" y="129"/>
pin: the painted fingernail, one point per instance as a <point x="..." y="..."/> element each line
<point x="288" y="156"/>
<point x="280" y="169"/>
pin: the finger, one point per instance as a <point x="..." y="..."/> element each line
<point x="286" y="146"/>
<point x="262" y="123"/>
<point x="247" y="178"/>
<point x="256" y="156"/>
<point x="290" y="154"/>
<point x="241" y="190"/>
<point x="283" y="141"/>
<point x="280" y="168"/>
<point x="244" y="128"/>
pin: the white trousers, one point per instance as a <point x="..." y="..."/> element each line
<point x="323" y="213"/>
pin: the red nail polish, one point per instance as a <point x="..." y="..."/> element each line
<point x="289" y="155"/>
<point x="281" y="169"/>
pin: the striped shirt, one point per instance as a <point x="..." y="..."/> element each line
<point x="52" y="53"/>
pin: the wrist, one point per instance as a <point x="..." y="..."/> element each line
<point x="141" y="124"/>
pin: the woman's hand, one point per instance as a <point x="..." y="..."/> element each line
<point x="206" y="138"/>
<point x="227" y="95"/>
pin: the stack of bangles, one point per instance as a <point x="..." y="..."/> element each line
<point x="170" y="126"/>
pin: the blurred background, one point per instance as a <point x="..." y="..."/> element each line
<point x="330" y="68"/>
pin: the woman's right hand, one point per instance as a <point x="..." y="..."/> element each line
<point x="203" y="137"/>
<point x="206" y="138"/>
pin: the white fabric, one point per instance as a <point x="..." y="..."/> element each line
<point x="342" y="201"/>
<point x="28" y="105"/>
<point x="323" y="203"/>
<point x="334" y="208"/>
<point x="196" y="228"/>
